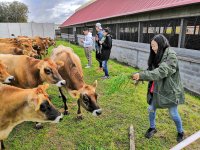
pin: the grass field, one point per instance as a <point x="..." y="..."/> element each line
<point x="123" y="104"/>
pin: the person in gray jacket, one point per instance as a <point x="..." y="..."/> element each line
<point x="88" y="44"/>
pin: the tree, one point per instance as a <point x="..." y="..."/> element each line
<point x="13" y="12"/>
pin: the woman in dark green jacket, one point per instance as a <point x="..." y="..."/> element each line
<point x="164" y="89"/>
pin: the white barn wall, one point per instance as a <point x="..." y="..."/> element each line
<point x="4" y="31"/>
<point x="27" y="29"/>
<point x="38" y="29"/>
<point x="14" y="28"/>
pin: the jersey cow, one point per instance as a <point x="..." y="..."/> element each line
<point x="75" y="85"/>
<point x="18" y="45"/>
<point x="18" y="105"/>
<point x="30" y="72"/>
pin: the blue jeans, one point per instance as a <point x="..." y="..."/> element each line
<point x="173" y="111"/>
<point x="105" y="67"/>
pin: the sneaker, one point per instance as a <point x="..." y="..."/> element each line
<point x="87" y="66"/>
<point x="150" y="132"/>
<point x="105" y="77"/>
<point x="180" y="137"/>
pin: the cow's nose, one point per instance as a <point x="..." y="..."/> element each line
<point x="60" y="119"/>
<point x="11" y="78"/>
<point x="63" y="82"/>
<point x="98" y="113"/>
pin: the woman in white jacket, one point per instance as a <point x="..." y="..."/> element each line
<point x="88" y="44"/>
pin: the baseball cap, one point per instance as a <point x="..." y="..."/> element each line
<point x="98" y="25"/>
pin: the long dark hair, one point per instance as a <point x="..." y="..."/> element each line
<point x="154" y="59"/>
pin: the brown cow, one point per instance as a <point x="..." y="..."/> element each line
<point x="21" y="43"/>
<point x="40" y="45"/>
<point x="75" y="85"/>
<point x="5" y="48"/>
<point x="30" y="72"/>
<point x="5" y="77"/>
<point x="18" y="105"/>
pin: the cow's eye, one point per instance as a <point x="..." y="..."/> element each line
<point x="86" y="100"/>
<point x="43" y="107"/>
<point x="47" y="71"/>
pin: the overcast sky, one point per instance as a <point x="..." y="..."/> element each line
<point x="51" y="11"/>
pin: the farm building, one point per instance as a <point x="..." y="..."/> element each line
<point x="134" y="23"/>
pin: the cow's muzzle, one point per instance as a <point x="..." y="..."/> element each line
<point x="61" y="83"/>
<point x="58" y="119"/>
<point x="9" y="79"/>
<point x="97" y="112"/>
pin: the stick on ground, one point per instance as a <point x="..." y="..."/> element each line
<point x="131" y="136"/>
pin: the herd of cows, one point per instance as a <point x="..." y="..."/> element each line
<point x="23" y="95"/>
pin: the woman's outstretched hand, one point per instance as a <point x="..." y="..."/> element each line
<point x="136" y="76"/>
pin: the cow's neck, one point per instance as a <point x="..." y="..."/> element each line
<point x="14" y="112"/>
<point x="35" y="73"/>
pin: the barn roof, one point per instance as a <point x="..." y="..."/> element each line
<point x="103" y="9"/>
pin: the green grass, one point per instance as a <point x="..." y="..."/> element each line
<point x="123" y="104"/>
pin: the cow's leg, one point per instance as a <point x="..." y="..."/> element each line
<point x="38" y="126"/>
<point x="64" y="98"/>
<point x="2" y="145"/>
<point x="79" y="114"/>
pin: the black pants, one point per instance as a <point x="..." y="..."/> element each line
<point x="100" y="64"/>
<point x="98" y="58"/>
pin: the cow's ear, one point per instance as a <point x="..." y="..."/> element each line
<point x="39" y="66"/>
<point x="95" y="84"/>
<point x="43" y="87"/>
<point x="36" y="102"/>
<point x="60" y="63"/>
<point x="75" y="94"/>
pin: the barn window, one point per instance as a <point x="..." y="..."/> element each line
<point x="190" y="30"/>
<point x="192" y="36"/>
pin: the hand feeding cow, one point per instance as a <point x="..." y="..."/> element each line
<point x="75" y="85"/>
<point x="18" y="105"/>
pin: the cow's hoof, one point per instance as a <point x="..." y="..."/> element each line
<point x="38" y="126"/>
<point x="79" y="117"/>
<point x="66" y="113"/>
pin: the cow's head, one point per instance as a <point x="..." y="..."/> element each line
<point x="51" y="41"/>
<point x="45" y="43"/>
<point x="35" y="45"/>
<point x="49" y="72"/>
<point x="40" y="108"/>
<point x="18" y="51"/>
<point x="25" y="44"/>
<point x="5" y="77"/>
<point x="88" y="98"/>
<point x="30" y="53"/>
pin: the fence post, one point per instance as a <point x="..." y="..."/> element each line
<point x="187" y="141"/>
